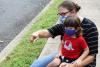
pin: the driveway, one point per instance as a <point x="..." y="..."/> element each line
<point x="15" y="15"/>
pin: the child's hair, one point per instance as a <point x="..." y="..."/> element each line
<point x="74" y="22"/>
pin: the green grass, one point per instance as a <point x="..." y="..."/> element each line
<point x="25" y="53"/>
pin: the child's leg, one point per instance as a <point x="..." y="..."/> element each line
<point x="55" y="63"/>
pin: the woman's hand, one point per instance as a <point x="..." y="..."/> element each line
<point x="33" y="37"/>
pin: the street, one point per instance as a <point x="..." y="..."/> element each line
<point x="15" y="15"/>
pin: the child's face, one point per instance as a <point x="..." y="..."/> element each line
<point x="70" y="31"/>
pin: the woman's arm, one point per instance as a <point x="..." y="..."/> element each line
<point x="54" y="31"/>
<point x="88" y="60"/>
<point x="85" y="62"/>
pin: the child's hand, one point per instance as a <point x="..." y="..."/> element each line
<point x="33" y="37"/>
<point x="58" y="55"/>
<point x="63" y="64"/>
<point x="78" y="62"/>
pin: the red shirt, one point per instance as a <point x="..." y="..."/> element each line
<point x="73" y="47"/>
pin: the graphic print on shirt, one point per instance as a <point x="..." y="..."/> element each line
<point x="68" y="45"/>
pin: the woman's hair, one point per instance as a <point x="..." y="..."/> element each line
<point x="70" y="5"/>
<point x="74" y="22"/>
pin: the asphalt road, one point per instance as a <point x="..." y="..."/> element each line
<point x="15" y="15"/>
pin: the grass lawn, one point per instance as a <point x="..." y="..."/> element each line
<point x="25" y="53"/>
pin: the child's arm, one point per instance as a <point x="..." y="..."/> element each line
<point x="60" y="47"/>
<point x="84" y="54"/>
<point x="85" y="47"/>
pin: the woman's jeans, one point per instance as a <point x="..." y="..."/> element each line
<point x="43" y="61"/>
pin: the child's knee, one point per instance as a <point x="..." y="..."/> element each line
<point x="52" y="65"/>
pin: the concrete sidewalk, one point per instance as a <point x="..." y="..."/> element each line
<point x="90" y="9"/>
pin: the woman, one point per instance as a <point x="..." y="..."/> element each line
<point x="90" y="33"/>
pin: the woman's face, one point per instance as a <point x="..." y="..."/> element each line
<point x="65" y="12"/>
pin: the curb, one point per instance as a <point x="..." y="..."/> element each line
<point x="51" y="46"/>
<point x="7" y="50"/>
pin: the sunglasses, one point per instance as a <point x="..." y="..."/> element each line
<point x="62" y="14"/>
